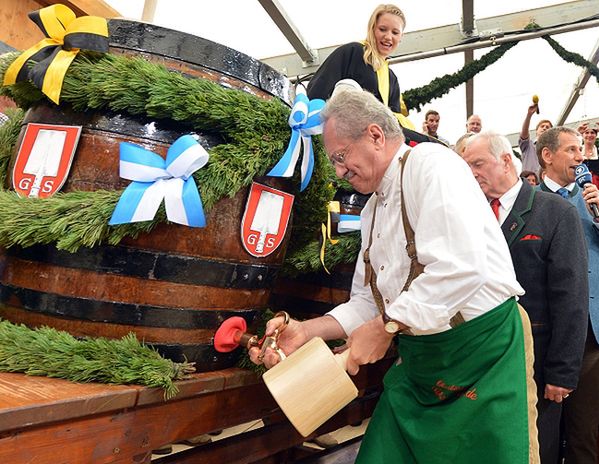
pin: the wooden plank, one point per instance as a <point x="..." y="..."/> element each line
<point x="27" y="400"/>
<point x="17" y="30"/>
<point x="201" y="384"/>
<point x="21" y="33"/>
<point x="129" y="435"/>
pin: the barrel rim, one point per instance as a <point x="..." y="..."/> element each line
<point x="154" y="265"/>
<point x="214" y="56"/>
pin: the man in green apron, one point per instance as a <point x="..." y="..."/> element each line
<point x="435" y="271"/>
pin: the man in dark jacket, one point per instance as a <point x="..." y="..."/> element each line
<point x="547" y="244"/>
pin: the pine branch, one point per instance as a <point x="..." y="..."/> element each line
<point x="52" y="353"/>
<point x="307" y="258"/>
<point x="9" y="132"/>
<point x="70" y="220"/>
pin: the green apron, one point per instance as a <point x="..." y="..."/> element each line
<point x="457" y="397"/>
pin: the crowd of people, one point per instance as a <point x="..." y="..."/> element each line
<point x="480" y="267"/>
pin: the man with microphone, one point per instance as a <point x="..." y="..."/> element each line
<point x="559" y="152"/>
<point x="548" y="249"/>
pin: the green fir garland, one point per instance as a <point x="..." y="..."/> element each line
<point x="307" y="259"/>
<point x="255" y="133"/>
<point x="9" y="133"/>
<point x="417" y="98"/>
<point x="572" y="57"/>
<point x="568" y="56"/>
<point x="68" y="220"/>
<point x="53" y="353"/>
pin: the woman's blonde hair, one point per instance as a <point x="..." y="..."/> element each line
<point x="371" y="53"/>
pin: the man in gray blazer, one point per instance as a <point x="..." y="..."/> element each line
<point x="547" y="244"/>
<point x="559" y="152"/>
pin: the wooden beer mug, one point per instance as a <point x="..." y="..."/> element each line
<point x="310" y="385"/>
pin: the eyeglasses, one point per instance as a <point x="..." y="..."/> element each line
<point x="338" y="158"/>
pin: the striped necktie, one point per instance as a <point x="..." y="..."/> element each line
<point x="563" y="192"/>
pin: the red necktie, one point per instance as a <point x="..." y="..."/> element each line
<point x="495" y="203"/>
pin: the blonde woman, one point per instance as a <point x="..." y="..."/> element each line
<point x="366" y="63"/>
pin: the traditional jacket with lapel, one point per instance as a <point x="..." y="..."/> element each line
<point x="547" y="244"/>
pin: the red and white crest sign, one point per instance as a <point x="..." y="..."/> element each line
<point x="265" y="219"/>
<point x="44" y="159"/>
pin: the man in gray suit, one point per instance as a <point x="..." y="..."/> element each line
<point x="559" y="152"/>
<point x="547" y="244"/>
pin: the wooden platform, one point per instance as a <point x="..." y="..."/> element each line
<point x="45" y="420"/>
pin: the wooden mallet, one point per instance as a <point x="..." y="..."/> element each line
<point x="310" y="386"/>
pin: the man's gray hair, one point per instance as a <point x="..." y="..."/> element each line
<point x="498" y="145"/>
<point x="353" y="110"/>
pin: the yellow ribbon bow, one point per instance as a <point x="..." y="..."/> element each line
<point x="332" y="208"/>
<point x="66" y="35"/>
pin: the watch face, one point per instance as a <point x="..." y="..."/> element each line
<point x="392" y="327"/>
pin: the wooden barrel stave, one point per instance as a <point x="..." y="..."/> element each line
<point x="109" y="287"/>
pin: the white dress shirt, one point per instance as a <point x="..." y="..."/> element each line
<point x="467" y="264"/>
<point x="554" y="186"/>
<point x="507" y="200"/>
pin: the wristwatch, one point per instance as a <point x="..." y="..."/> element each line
<point x="391" y="325"/>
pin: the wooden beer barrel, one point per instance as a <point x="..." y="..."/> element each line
<point x="174" y="285"/>
<point x="315" y="293"/>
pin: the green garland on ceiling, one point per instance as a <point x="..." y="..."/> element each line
<point x="417" y="98"/>
<point x="255" y="133"/>
<point x="572" y="57"/>
<point x="566" y="55"/>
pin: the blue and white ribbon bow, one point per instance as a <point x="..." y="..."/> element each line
<point x="304" y="121"/>
<point x="155" y="179"/>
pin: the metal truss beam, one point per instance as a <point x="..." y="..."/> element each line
<point x="291" y="33"/>
<point x="578" y="87"/>
<point x="468" y="30"/>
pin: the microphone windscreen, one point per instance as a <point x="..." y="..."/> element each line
<point x="582" y="175"/>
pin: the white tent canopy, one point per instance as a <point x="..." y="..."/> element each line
<point x="500" y="94"/>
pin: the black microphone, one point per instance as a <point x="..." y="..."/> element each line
<point x="583" y="177"/>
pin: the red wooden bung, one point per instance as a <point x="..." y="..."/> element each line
<point x="229" y="334"/>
